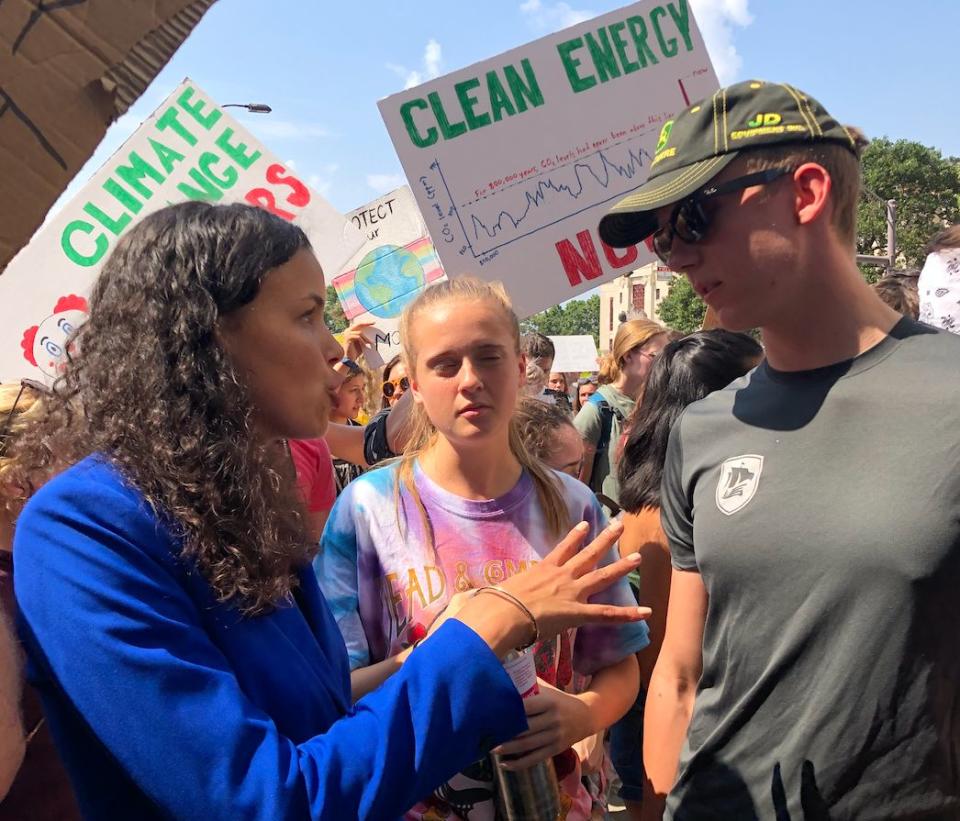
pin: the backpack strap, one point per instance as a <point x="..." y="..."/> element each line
<point x="607" y="412"/>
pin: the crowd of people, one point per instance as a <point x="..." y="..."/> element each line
<point x="255" y="577"/>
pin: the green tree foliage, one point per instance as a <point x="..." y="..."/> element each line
<point x="577" y="317"/>
<point x="333" y="313"/>
<point x="926" y="187"/>
<point x="681" y="308"/>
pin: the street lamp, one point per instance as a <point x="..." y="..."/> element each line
<point x="253" y="108"/>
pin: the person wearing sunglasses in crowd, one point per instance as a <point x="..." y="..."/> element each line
<point x="39" y="787"/>
<point x="395" y="382"/>
<point x="188" y="664"/>
<point x="809" y="667"/>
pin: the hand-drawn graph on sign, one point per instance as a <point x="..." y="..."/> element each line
<point x="564" y="185"/>
<point x="388" y="278"/>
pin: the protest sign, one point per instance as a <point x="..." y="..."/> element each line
<point x="67" y="70"/>
<point x="396" y="262"/>
<point x="189" y="149"/>
<point x="574" y="354"/>
<point x="514" y="160"/>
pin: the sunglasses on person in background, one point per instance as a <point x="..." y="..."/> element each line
<point x="690" y="220"/>
<point x="7" y="423"/>
<point x="391" y="387"/>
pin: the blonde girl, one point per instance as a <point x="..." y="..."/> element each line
<point x="465" y="508"/>
<point x="623" y="374"/>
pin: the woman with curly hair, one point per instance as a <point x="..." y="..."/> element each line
<point x="189" y="666"/>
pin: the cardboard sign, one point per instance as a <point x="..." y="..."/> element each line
<point x="514" y="160"/>
<point x="189" y="149"/>
<point x="68" y="70"/>
<point x="575" y="354"/>
<point x="396" y="262"/>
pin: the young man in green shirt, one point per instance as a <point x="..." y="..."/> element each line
<point x="810" y="665"/>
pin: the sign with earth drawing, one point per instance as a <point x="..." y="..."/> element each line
<point x="514" y="160"/>
<point x="397" y="261"/>
<point x="188" y="149"/>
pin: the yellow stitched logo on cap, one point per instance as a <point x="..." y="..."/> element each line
<point x="664" y="136"/>
<point x="764" y="121"/>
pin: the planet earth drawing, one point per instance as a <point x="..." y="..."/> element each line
<point x="387" y="279"/>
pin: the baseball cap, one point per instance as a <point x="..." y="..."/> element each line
<point x="706" y="137"/>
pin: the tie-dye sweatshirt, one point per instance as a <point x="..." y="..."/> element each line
<point x="386" y="582"/>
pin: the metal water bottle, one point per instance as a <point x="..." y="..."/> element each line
<point x="531" y="794"/>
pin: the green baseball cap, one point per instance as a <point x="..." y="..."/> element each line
<point x="707" y="137"/>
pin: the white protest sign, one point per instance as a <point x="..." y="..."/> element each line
<point x="396" y="262"/>
<point x="188" y="149"/>
<point x="514" y="160"/>
<point x="574" y="354"/>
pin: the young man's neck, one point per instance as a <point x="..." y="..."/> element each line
<point x="842" y="318"/>
<point x="484" y="472"/>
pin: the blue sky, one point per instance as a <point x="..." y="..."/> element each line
<point x="322" y="65"/>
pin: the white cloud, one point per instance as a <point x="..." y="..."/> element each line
<point x="268" y="127"/>
<point x="718" y="20"/>
<point x="548" y="17"/>
<point x="382" y="183"/>
<point x="431" y="66"/>
<point x="321" y="181"/>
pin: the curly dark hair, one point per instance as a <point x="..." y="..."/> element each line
<point x="158" y="395"/>
<point x="686" y="370"/>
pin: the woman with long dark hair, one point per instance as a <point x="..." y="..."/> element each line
<point x="686" y="370"/>
<point x="189" y="665"/>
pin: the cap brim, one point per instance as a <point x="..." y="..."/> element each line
<point x="632" y="219"/>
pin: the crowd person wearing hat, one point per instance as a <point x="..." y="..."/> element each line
<point x="939" y="283"/>
<point x="188" y="663"/>
<point x="809" y="667"/>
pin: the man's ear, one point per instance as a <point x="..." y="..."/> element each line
<point x="812" y="190"/>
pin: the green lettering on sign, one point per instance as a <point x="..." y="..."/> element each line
<point x="208" y="120"/>
<point x="602" y="55"/>
<point x="524" y="91"/>
<point x="571" y="63"/>
<point x="638" y="31"/>
<point x="237" y="153"/>
<point x="616" y="32"/>
<point x="468" y="103"/>
<point x="85" y="260"/>
<point x="406" y="114"/>
<point x="499" y="99"/>
<point x="668" y="47"/>
<point x="449" y="130"/>
<point x="137" y="169"/>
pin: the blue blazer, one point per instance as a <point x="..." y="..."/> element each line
<point x="166" y="703"/>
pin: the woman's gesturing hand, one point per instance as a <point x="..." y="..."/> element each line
<point x="556" y="592"/>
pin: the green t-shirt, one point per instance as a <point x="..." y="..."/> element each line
<point x="822" y="511"/>
<point x="589" y="424"/>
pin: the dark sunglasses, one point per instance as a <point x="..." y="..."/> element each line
<point x="390" y="388"/>
<point x="7" y="423"/>
<point x="690" y="220"/>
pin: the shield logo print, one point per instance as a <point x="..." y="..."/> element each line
<point x="739" y="479"/>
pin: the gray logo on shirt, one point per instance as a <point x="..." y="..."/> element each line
<point x="739" y="479"/>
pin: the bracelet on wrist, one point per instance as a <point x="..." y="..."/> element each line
<point x="503" y="594"/>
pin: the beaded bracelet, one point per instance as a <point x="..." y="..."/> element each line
<point x="499" y="591"/>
